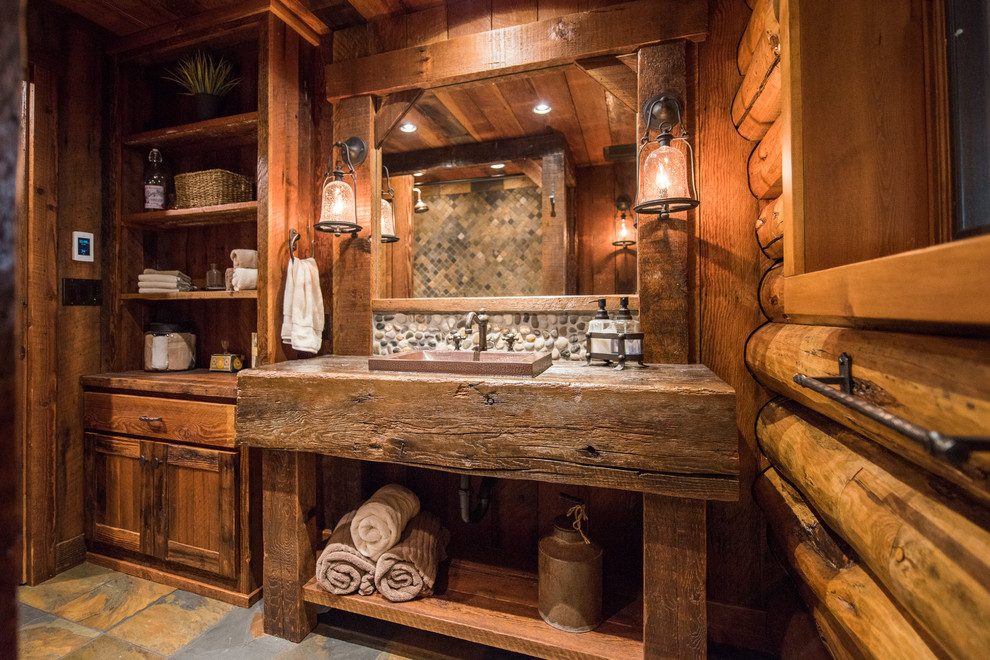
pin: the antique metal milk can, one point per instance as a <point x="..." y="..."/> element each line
<point x="570" y="575"/>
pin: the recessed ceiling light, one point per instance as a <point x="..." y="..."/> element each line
<point x="497" y="166"/>
<point x="541" y="108"/>
<point x="417" y="173"/>
<point x="408" y="128"/>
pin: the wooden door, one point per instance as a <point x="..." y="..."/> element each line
<point x="199" y="508"/>
<point x="118" y="491"/>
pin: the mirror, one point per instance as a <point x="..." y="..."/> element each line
<point x="519" y="176"/>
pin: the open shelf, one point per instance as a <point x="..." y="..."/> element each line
<point x="194" y="217"/>
<point x="497" y="606"/>
<point x="232" y="130"/>
<point x="191" y="295"/>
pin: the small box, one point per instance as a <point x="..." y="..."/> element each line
<point x="228" y="362"/>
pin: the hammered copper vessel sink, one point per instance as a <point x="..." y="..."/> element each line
<point x="468" y="363"/>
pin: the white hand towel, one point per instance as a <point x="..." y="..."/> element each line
<point x="307" y="308"/>
<point x="162" y="279"/>
<point x="162" y="289"/>
<point x="244" y="258"/>
<point x="174" y="273"/>
<point x="245" y="279"/>
<point x="287" y="299"/>
<point x="378" y="523"/>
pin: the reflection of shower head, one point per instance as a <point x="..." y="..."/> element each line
<point x="420" y="206"/>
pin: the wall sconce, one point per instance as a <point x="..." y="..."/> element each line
<point x="420" y="206"/>
<point x="338" y="208"/>
<point x="388" y="213"/>
<point x="662" y="185"/>
<point x="625" y="231"/>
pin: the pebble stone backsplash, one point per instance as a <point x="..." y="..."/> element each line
<point x="561" y="334"/>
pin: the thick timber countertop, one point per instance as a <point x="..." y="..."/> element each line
<point x="667" y="429"/>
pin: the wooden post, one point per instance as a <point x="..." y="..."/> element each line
<point x="555" y="225"/>
<point x="663" y="244"/>
<point x="674" y="614"/>
<point x="928" y="547"/>
<point x="938" y="382"/>
<point x="833" y="581"/>
<point x="289" y="534"/>
<point x="354" y="281"/>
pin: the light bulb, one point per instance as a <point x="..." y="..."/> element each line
<point x="623" y="230"/>
<point x="664" y="175"/>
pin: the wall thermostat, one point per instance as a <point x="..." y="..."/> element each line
<point x="82" y="246"/>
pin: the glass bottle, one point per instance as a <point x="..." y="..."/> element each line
<point x="214" y="278"/>
<point x="624" y="323"/>
<point x="154" y="182"/>
<point x="600" y="323"/>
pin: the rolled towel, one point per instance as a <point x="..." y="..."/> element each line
<point x="244" y="258"/>
<point x="245" y="279"/>
<point x="341" y="569"/>
<point x="410" y="568"/>
<point x="378" y="523"/>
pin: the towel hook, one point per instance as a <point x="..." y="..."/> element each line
<point x="293" y="240"/>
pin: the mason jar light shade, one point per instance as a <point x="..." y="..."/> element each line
<point x="625" y="232"/>
<point x="388" y="222"/>
<point x="664" y="178"/>
<point x="337" y="212"/>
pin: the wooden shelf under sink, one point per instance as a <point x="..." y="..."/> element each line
<point x="495" y="605"/>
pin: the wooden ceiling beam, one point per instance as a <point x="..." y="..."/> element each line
<point x="393" y="108"/>
<point x="533" y="169"/>
<point x="608" y="30"/>
<point x="516" y="149"/>
<point x="614" y="76"/>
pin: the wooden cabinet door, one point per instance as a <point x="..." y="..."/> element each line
<point x="118" y="492"/>
<point x="199" y="508"/>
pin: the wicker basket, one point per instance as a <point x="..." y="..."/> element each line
<point x="210" y="188"/>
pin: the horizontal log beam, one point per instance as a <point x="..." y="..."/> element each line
<point x="937" y="382"/>
<point x="757" y="102"/>
<point x="476" y="153"/>
<point x="771" y="293"/>
<point x="928" y="547"/>
<point x="770" y="229"/>
<point x="766" y="164"/>
<point x="762" y="23"/>
<point x="615" y="29"/>
<point x="836" y="582"/>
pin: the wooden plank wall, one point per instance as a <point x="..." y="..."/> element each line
<point x="730" y="265"/>
<point x="73" y="50"/>
<point x="11" y="76"/>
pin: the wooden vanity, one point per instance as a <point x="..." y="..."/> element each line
<point x="668" y="432"/>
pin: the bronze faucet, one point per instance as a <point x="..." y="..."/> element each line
<point x="482" y="320"/>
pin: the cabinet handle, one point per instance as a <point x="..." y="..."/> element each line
<point x="156" y="462"/>
<point x="142" y="460"/>
<point x="145" y="418"/>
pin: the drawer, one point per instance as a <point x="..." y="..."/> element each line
<point x="196" y="422"/>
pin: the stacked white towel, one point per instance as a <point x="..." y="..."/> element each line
<point x="302" y="307"/>
<point x="163" y="281"/>
<point x="245" y="275"/>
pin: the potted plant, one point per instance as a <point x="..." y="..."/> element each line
<point x="205" y="78"/>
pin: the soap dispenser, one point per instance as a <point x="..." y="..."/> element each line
<point x="625" y="323"/>
<point x="601" y="323"/>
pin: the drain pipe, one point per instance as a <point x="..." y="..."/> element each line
<point x="475" y="514"/>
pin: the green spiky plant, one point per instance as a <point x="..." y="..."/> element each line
<point x="202" y="74"/>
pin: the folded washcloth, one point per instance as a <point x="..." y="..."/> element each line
<point x="244" y="258"/>
<point x="174" y="273"/>
<point x="379" y="522"/>
<point x="302" y="307"/>
<point x="161" y="280"/>
<point x="244" y="279"/>
<point x="162" y="289"/>
<point x="410" y="568"/>
<point x="341" y="569"/>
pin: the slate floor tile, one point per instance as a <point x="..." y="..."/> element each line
<point x="173" y="621"/>
<point x="240" y="634"/>
<point x="65" y="587"/>
<point x="112" y="601"/>
<point x="50" y="637"/>
<point x="106" y="647"/>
